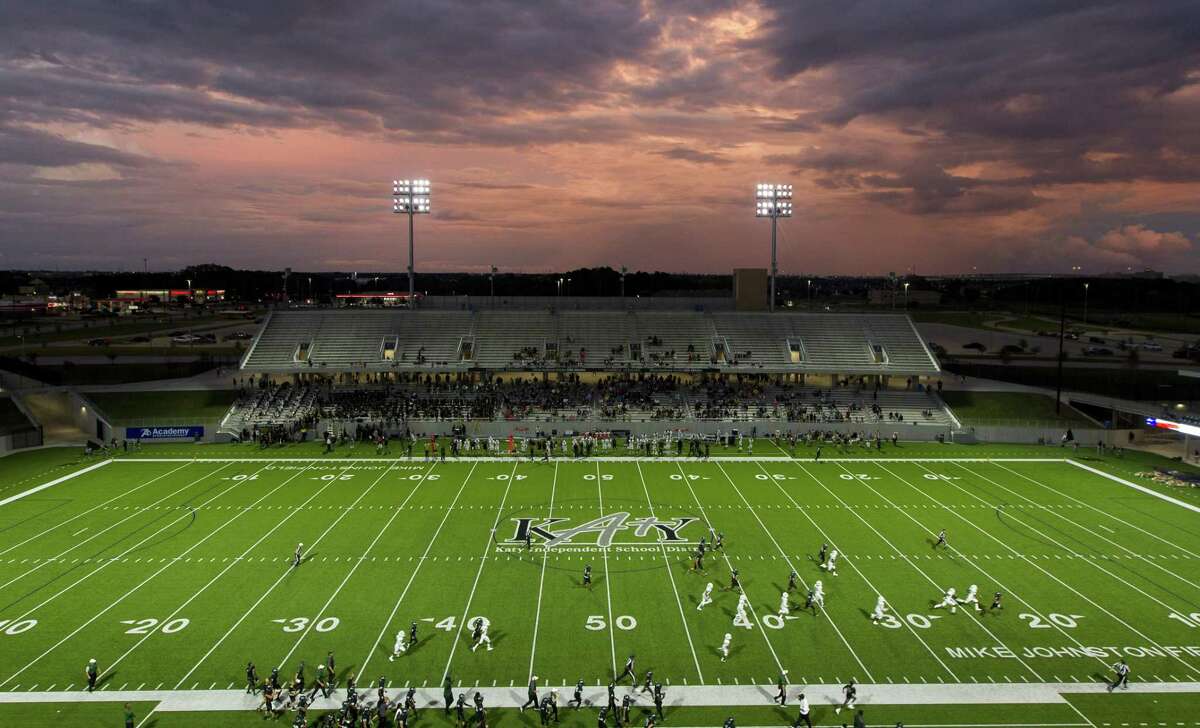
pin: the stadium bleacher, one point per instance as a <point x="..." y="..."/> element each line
<point x="438" y="340"/>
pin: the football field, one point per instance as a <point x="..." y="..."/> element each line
<point x="174" y="572"/>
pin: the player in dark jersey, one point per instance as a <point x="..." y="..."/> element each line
<point x="792" y="580"/>
<point x="92" y="672"/>
<point x="626" y="704"/>
<point x="447" y="694"/>
<point x="460" y="711"/>
<point x="850" y="691"/>
<point x="612" y="697"/>
<point x="602" y="718"/>
<point x="781" y="696"/>
<point x="941" y="539"/>
<point x="996" y="599"/>
<point x="410" y="700"/>
<point x="251" y="678"/>
<point x="648" y="686"/>
<point x="587" y="576"/>
<point x="412" y="635"/>
<point x="659" y="696"/>
<point x="531" y="695"/>
<point x="822" y="554"/>
<point x="735" y="584"/>
<point x="544" y="710"/>
<point x="719" y="541"/>
<point x="298" y="556"/>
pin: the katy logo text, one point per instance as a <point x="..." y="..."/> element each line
<point x="606" y="528"/>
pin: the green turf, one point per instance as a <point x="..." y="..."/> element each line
<point x="392" y="541"/>
<point x="200" y="404"/>
<point x="992" y="407"/>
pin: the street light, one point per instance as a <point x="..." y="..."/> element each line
<point x="773" y="201"/>
<point x="906" y="295"/>
<point x="623" y="271"/>
<point x="810" y="294"/>
<point x="492" y="282"/>
<point x="1085" y="292"/>
<point x="410" y="197"/>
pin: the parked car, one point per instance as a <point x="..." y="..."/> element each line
<point x="185" y="339"/>
<point x="98" y="342"/>
<point x="1151" y="346"/>
<point x="976" y="346"/>
<point x="239" y="336"/>
<point x="1097" y="351"/>
<point x="143" y="339"/>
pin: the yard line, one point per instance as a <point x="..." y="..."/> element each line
<point x="145" y="581"/>
<point x="1060" y="581"/>
<point x="791" y="566"/>
<point x="52" y="483"/>
<point x="826" y="537"/>
<point x="983" y="571"/>
<point x="537" y="615"/>
<point x="357" y="562"/>
<point x="482" y="562"/>
<point x="708" y="522"/>
<point x="912" y="562"/>
<point x="1101" y="511"/>
<point x="412" y="577"/>
<point x="93" y="508"/>
<point x="1054" y="512"/>
<point x="284" y="575"/>
<point x="232" y="563"/>
<point x="135" y="514"/>
<point x="667" y="561"/>
<point x="612" y="643"/>
<point x="1135" y="486"/>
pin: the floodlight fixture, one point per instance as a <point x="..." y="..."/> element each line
<point x="773" y="200"/>
<point x="411" y="197"/>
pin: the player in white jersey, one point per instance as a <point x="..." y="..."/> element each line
<point x="706" y="597"/>
<point x="972" y="598"/>
<point x="743" y="602"/>
<point x="480" y="634"/>
<point x="881" y="608"/>
<point x="400" y="647"/>
<point x="819" y="594"/>
<point x="950" y="600"/>
<point x="831" y="564"/>
<point x="741" y="618"/>
<point x="725" y="646"/>
<point x="784" y="608"/>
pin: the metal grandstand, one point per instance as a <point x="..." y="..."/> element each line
<point x="331" y="341"/>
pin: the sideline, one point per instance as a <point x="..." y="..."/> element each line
<point x="1135" y="486"/>
<point x="54" y="482"/>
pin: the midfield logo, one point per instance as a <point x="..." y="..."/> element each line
<point x="606" y="528"/>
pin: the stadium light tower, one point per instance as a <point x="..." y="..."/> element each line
<point x="410" y="197"/>
<point x="773" y="201"/>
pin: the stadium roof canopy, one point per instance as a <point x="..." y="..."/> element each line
<point x="679" y="341"/>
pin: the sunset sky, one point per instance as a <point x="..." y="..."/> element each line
<point x="1001" y="135"/>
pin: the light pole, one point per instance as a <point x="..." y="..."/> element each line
<point x="623" y="271"/>
<point x="1085" y="292"/>
<point x="810" y="294"/>
<point x="773" y="201"/>
<point x="492" y="283"/>
<point x="906" y="295"/>
<point x="410" y="197"/>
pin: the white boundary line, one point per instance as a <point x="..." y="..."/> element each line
<point x="412" y="577"/>
<point x="537" y="615"/>
<point x="140" y="510"/>
<point x="667" y="562"/>
<point x="787" y="559"/>
<point x="1101" y="511"/>
<point x="753" y="613"/>
<point x="148" y="579"/>
<point x="853" y="565"/>
<point x="1135" y="486"/>
<point x="1049" y="509"/>
<point x="56" y="481"/>
<point x="482" y="562"/>
<point x="93" y="508"/>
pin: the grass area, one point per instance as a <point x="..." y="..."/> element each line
<point x="989" y="407"/>
<point x="1027" y="323"/>
<point x="173" y="572"/>
<point x="970" y="319"/>
<point x="198" y="404"/>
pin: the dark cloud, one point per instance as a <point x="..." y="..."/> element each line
<point x="687" y="154"/>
